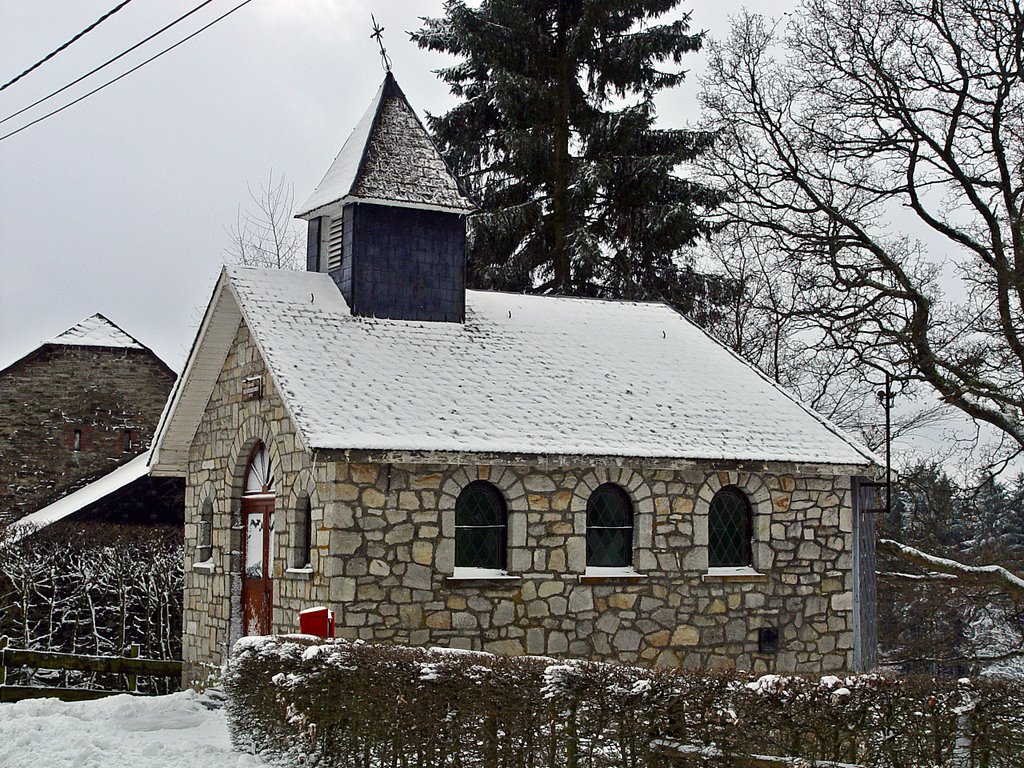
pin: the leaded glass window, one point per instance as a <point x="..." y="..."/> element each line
<point x="609" y="528"/>
<point x="729" y="529"/>
<point x="481" y="527"/>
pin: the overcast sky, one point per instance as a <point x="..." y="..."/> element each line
<point x="120" y="204"/>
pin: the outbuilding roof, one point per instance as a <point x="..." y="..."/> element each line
<point x="522" y="375"/>
<point x="95" y="331"/>
<point x="76" y="501"/>
<point x="389" y="157"/>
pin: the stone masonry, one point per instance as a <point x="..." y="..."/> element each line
<point x="58" y="389"/>
<point x="383" y="550"/>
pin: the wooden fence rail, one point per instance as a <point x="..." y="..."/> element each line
<point x="682" y="755"/>
<point x="131" y="666"/>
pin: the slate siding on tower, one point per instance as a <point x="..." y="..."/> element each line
<point x="406" y="263"/>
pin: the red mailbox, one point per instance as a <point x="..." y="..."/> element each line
<point x="317" y="621"/>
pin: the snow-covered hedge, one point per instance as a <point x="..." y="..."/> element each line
<point x="301" y="700"/>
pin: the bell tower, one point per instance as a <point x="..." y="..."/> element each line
<point x="388" y="221"/>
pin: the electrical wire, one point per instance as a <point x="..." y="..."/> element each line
<point x="108" y="62"/>
<point x="74" y="39"/>
<point x="125" y="74"/>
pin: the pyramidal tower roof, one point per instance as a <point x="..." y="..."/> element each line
<point x="389" y="158"/>
<point x="95" y="331"/>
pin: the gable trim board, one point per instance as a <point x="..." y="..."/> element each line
<point x="333" y="210"/>
<point x="525" y="375"/>
<point x="169" y="455"/>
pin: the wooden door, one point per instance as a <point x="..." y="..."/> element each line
<point x="258" y="564"/>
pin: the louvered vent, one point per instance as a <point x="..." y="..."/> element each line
<point x="334" y="241"/>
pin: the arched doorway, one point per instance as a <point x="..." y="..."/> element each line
<point x="258" y="543"/>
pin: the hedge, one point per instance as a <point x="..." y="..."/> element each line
<point x="298" y="700"/>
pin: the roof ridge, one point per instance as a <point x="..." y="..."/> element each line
<point x="602" y="299"/>
<point x="412" y="110"/>
<point x="379" y="99"/>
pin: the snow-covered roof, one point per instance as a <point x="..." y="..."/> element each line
<point x="99" y="489"/>
<point x="95" y="331"/>
<point x="523" y="374"/>
<point x="388" y="158"/>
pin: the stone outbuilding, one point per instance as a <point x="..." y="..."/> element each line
<point x="79" y="411"/>
<point x="511" y="473"/>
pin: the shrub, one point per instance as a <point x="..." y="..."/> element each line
<point x="301" y="700"/>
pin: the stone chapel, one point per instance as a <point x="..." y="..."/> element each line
<point x="510" y="473"/>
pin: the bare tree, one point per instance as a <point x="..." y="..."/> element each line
<point x="766" y="323"/>
<point x="93" y="589"/>
<point x="872" y="155"/>
<point x="858" y="122"/>
<point x="265" y="235"/>
<point x="770" y="323"/>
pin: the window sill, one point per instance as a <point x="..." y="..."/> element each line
<point x="298" y="573"/>
<point x="744" y="573"/>
<point x="611" y="576"/>
<point x="206" y="566"/>
<point x="482" y="575"/>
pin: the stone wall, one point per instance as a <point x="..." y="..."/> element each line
<point x="383" y="554"/>
<point x="58" y="389"/>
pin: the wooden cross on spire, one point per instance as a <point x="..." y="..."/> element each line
<point x="378" y="35"/>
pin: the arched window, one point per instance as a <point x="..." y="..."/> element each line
<point x="204" y="533"/>
<point x="481" y="527"/>
<point x="609" y="528"/>
<point x="259" y="475"/>
<point x="302" y="534"/>
<point x="730" y="526"/>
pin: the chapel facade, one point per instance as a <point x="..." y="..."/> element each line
<point x="508" y="473"/>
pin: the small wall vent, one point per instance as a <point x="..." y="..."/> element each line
<point x="334" y="243"/>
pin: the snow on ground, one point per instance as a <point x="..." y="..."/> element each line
<point x="175" y="731"/>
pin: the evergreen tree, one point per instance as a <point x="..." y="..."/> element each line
<point x="555" y="139"/>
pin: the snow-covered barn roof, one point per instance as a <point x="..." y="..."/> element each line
<point x="65" y="506"/>
<point x="523" y="375"/>
<point x="94" y="331"/>
<point x="389" y="157"/>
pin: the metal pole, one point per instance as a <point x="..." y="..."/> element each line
<point x="888" y="446"/>
<point x="885" y="398"/>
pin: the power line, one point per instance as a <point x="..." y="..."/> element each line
<point x="74" y="39"/>
<point x="107" y="63"/>
<point x="125" y="74"/>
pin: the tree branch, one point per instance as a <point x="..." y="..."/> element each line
<point x="992" y="575"/>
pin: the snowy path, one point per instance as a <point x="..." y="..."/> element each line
<point x="174" y="731"/>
